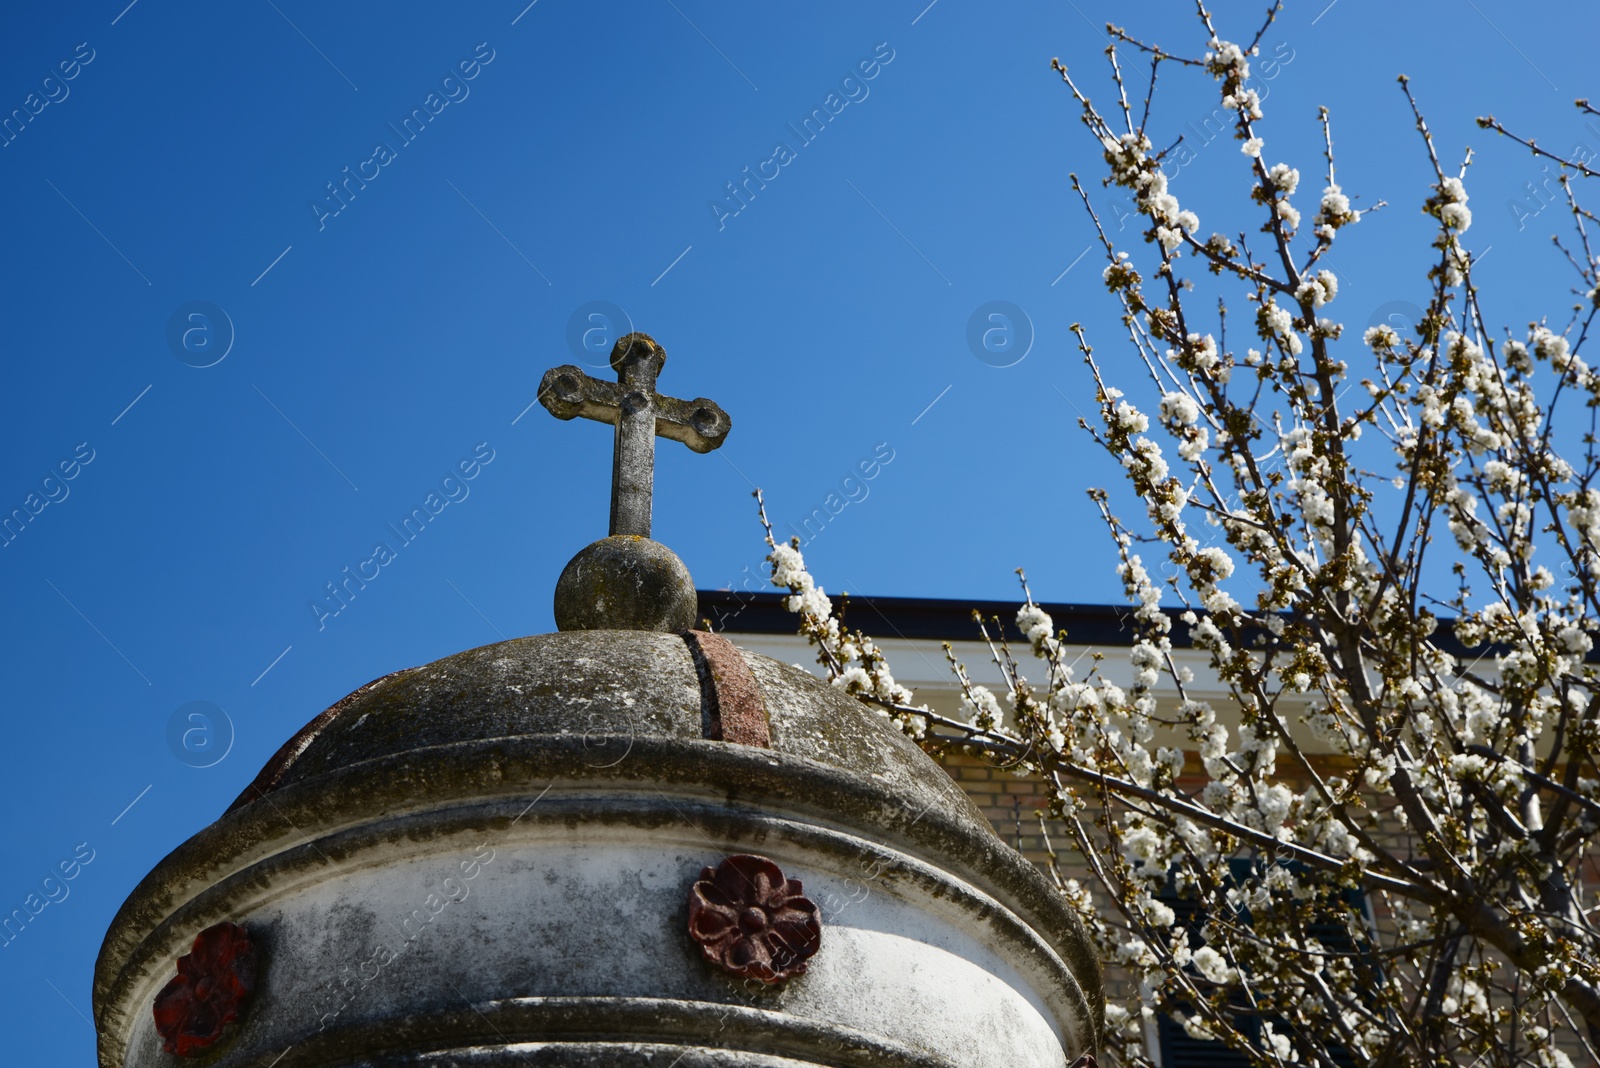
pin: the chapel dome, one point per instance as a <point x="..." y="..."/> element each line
<point x="591" y="695"/>
<point x="600" y="739"/>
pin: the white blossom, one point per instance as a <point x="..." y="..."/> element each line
<point x="1213" y="965"/>
<point x="1178" y="410"/>
<point x="1284" y="178"/>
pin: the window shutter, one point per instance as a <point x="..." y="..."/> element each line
<point x="1176" y="1048"/>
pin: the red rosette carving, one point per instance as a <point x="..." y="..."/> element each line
<point x="214" y="982"/>
<point x="751" y="921"/>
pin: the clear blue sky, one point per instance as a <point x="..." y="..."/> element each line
<point x="376" y="346"/>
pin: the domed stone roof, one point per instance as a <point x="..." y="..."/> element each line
<point x="593" y="694"/>
<point x="586" y="736"/>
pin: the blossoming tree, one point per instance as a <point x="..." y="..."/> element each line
<point x="1253" y="891"/>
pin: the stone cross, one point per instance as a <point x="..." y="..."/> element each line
<point x="640" y="414"/>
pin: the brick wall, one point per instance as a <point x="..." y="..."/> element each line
<point x="1006" y="799"/>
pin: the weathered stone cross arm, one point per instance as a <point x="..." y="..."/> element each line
<point x="569" y="393"/>
<point x="640" y="414"/>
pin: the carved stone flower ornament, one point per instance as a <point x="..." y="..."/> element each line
<point x="751" y="921"/>
<point x="214" y="982"/>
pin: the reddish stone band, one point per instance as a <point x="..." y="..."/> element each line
<point x="728" y="691"/>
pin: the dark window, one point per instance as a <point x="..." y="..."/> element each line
<point x="1177" y="1048"/>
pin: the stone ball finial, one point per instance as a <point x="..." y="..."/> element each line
<point x="625" y="582"/>
<point x="632" y="348"/>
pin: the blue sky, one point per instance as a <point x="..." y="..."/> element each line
<point x="358" y="349"/>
